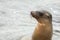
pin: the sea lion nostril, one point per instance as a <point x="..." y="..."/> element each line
<point x="32" y="12"/>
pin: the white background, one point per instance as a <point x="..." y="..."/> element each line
<point x="16" y="21"/>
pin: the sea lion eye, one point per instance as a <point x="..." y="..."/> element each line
<point x="40" y="14"/>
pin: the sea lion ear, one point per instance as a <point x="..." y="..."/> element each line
<point x="49" y="15"/>
<point x="46" y="14"/>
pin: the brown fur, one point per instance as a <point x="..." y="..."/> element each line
<point x="43" y="30"/>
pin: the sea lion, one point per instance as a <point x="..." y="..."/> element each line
<point x="43" y="30"/>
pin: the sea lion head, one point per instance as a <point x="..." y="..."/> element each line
<point x="42" y="16"/>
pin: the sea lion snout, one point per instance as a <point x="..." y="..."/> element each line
<point x="36" y="14"/>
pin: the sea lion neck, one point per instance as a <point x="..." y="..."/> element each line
<point x="42" y="32"/>
<point x="43" y="21"/>
<point x="41" y="24"/>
